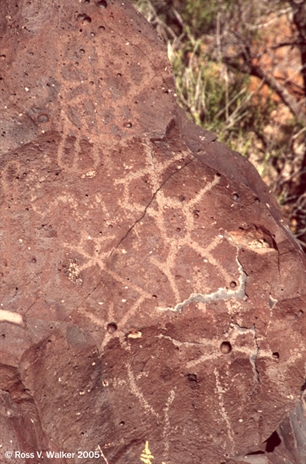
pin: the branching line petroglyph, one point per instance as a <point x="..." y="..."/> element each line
<point x="100" y="258"/>
<point x="220" y="393"/>
<point x="168" y="265"/>
<point x="149" y="204"/>
<point x="157" y="208"/>
<point x="167" y="426"/>
<point x="136" y="391"/>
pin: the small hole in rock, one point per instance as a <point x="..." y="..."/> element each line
<point x="192" y="377"/>
<point x="111" y="327"/>
<point x="43" y="118"/>
<point x="233" y="284"/>
<point x="128" y="125"/>
<point x="275" y="355"/>
<point x="225" y="347"/>
<point x="84" y="18"/>
<point x="235" y="196"/>
<point x="196" y="213"/>
<point x="272" y="442"/>
<point x="102" y="4"/>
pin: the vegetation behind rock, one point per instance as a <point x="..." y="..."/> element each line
<point x="240" y="71"/>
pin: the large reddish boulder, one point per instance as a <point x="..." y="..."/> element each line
<point x="152" y="301"/>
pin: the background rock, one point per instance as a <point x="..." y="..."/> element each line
<point x="152" y="298"/>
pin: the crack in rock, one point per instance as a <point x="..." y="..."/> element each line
<point x="150" y="202"/>
<point x="253" y="356"/>
<point x="219" y="295"/>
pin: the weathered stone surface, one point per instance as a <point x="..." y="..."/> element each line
<point x="149" y="290"/>
<point x="290" y="437"/>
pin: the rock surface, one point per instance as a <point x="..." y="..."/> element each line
<point x="152" y="301"/>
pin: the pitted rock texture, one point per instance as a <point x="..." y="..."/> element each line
<point x="152" y="301"/>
